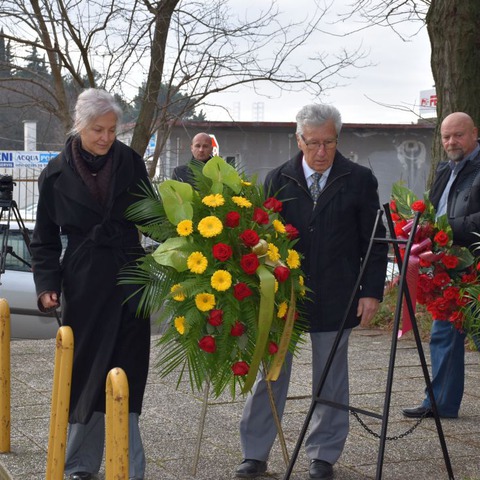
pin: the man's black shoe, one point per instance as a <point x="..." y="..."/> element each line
<point x="321" y="469"/>
<point x="81" y="476"/>
<point x="251" y="468"/>
<point x="418" y="412"/>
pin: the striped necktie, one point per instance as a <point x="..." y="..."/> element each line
<point x="315" y="186"/>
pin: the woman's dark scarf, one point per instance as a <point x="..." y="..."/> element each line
<point x="95" y="171"/>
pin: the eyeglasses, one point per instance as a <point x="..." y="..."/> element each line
<point x="314" y="146"/>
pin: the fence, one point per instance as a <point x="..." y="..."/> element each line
<point x="25" y="191"/>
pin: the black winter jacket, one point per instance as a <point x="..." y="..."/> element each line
<point x="334" y="236"/>
<point x="463" y="205"/>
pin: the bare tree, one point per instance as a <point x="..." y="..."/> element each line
<point x="193" y="47"/>
<point x="452" y="27"/>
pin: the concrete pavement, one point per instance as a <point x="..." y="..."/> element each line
<point x="171" y="417"/>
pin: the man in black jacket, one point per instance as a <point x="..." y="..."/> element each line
<point x="333" y="203"/>
<point x="455" y="192"/>
<point x="201" y="148"/>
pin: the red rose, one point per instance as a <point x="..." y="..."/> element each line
<point x="424" y="263"/>
<point x="418" y="206"/>
<point x="240" y="368"/>
<point x="393" y="205"/>
<point x="450" y="261"/>
<point x="451" y="293"/>
<point x="292" y="232"/>
<point x="399" y="228"/>
<point x="215" y="317"/>
<point x="441" y="238"/>
<point x="250" y="238"/>
<point x="395" y="217"/>
<point x="272" y="348"/>
<point x="260" y="216"/>
<point x="281" y="273"/>
<point x="222" y="251"/>
<point x="241" y="290"/>
<point x="425" y="283"/>
<point x="441" y="279"/>
<point x="207" y="344"/>
<point x="463" y="301"/>
<point x="468" y="278"/>
<point x="232" y="219"/>
<point x="271" y="203"/>
<point x="249" y="263"/>
<point x="238" y="329"/>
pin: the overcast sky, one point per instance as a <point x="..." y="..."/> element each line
<point x="399" y="71"/>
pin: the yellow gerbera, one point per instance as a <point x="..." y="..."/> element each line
<point x="210" y="226"/>
<point x="282" y="310"/>
<point x="241" y="202"/>
<point x="177" y="292"/>
<point x="293" y="259"/>
<point x="221" y="280"/>
<point x="301" y="282"/>
<point x="272" y="253"/>
<point x="205" y="301"/>
<point x="179" y="323"/>
<point x="278" y="226"/>
<point x="185" y="228"/>
<point x="213" y="200"/>
<point x="197" y="262"/>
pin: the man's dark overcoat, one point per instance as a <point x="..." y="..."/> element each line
<point x="463" y="205"/>
<point x="107" y="332"/>
<point x="334" y="236"/>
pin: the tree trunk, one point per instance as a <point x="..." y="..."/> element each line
<point x="453" y="28"/>
<point x="58" y="84"/>
<point x="146" y="118"/>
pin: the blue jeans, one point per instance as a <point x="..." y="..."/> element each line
<point x="447" y="354"/>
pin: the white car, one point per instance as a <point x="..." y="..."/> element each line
<point x="18" y="288"/>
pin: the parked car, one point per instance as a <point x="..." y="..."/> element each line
<point x="18" y="288"/>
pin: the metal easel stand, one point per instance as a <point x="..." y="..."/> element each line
<point x="403" y="293"/>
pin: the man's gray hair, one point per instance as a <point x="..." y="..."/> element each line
<point x="91" y="104"/>
<point x="315" y="115"/>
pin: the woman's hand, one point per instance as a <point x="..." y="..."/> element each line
<point x="49" y="300"/>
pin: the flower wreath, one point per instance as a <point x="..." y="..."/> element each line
<point x="225" y="277"/>
<point x="446" y="272"/>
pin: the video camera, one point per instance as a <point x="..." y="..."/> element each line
<point x="6" y="187"/>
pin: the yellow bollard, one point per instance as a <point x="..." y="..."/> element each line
<point x="62" y="379"/>
<point x="4" y="376"/>
<point x="116" y="456"/>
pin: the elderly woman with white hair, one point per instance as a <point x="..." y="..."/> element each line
<point x="84" y="193"/>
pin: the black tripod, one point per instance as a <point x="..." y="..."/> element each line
<point x="9" y="207"/>
<point x="403" y="293"/>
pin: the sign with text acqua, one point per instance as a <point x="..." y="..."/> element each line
<point x="16" y="159"/>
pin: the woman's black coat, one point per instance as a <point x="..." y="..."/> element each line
<point x="334" y="237"/>
<point x="107" y="332"/>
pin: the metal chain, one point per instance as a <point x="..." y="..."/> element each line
<point x="396" y="437"/>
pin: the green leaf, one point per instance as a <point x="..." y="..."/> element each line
<point x="221" y="173"/>
<point x="177" y="200"/>
<point x="173" y="253"/>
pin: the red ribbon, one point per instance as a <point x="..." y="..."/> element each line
<point x="418" y="251"/>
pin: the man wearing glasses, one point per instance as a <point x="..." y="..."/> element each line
<point x="333" y="203"/>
